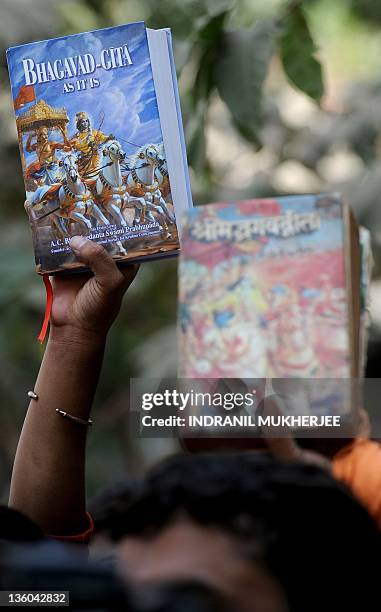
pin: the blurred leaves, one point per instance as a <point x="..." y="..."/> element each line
<point x="234" y="63"/>
<point x="297" y="50"/>
<point x="196" y="137"/>
<point x="369" y="10"/>
<point x="80" y="14"/>
<point x="242" y="63"/>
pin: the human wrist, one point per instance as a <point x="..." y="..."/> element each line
<point x="68" y="336"/>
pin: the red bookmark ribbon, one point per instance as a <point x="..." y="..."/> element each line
<point x="48" y="307"/>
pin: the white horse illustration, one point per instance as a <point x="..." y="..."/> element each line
<point x="110" y="189"/>
<point x="72" y="200"/>
<point x="162" y="175"/>
<point x="141" y="181"/>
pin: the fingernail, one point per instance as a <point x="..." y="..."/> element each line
<point x="77" y="242"/>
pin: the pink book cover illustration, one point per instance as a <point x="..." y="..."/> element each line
<point x="262" y="290"/>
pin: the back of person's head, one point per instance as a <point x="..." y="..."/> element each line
<point x="16" y="527"/>
<point x="305" y="528"/>
<point x="111" y="503"/>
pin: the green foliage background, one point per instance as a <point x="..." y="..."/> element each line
<point x="282" y="96"/>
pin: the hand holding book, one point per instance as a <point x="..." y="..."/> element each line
<point x="85" y="305"/>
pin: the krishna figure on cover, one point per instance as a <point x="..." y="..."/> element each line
<point x="87" y="142"/>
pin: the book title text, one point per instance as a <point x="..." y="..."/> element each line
<point x="76" y="66"/>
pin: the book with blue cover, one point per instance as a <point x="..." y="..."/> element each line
<point x="101" y="143"/>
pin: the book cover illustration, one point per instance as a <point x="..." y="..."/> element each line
<point x="91" y="145"/>
<point x="263" y="290"/>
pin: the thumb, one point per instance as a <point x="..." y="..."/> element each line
<point x="98" y="260"/>
<point x="281" y="446"/>
<point x="284" y="446"/>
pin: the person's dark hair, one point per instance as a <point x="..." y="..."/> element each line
<point x="304" y="526"/>
<point x="111" y="503"/>
<point x="16" y="527"/>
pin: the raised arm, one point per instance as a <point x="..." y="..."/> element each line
<point x="48" y="481"/>
<point x="29" y="147"/>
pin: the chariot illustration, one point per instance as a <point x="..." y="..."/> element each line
<point x="38" y="122"/>
<point x="87" y="179"/>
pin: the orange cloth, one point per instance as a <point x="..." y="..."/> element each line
<point x="358" y="465"/>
